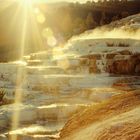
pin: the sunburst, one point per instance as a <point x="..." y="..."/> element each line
<point x="24" y="19"/>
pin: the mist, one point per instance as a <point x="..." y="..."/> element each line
<point x="103" y="32"/>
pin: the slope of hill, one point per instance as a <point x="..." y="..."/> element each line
<point x="117" y="118"/>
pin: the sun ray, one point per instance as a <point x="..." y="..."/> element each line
<point x="24" y="29"/>
<point x="36" y="35"/>
<point x="20" y="75"/>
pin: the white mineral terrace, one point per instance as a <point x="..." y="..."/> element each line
<point x="54" y="85"/>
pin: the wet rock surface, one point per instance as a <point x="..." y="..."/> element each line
<point x="51" y="95"/>
<point x="48" y="101"/>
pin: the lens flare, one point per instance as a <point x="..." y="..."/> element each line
<point x="41" y="18"/>
<point x="26" y="26"/>
<point x="36" y="10"/>
<point x="49" y="36"/>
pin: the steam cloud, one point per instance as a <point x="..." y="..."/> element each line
<point x="106" y="33"/>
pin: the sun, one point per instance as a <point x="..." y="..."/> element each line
<point x="28" y="2"/>
<point x="25" y="3"/>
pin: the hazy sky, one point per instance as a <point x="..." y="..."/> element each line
<point x="69" y="0"/>
<point x="81" y="1"/>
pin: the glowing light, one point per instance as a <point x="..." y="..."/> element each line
<point x="41" y="18"/>
<point x="20" y="63"/>
<point x="47" y="33"/>
<point x="24" y="11"/>
<point x="25" y="2"/>
<point x="49" y="36"/>
<point x="51" y="41"/>
<point x="20" y="74"/>
<point x="25" y="26"/>
<point x="36" y="11"/>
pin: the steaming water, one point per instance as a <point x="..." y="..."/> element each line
<point x="128" y="28"/>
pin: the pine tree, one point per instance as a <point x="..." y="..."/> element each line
<point x="90" y="22"/>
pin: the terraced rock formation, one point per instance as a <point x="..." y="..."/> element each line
<point x="39" y="96"/>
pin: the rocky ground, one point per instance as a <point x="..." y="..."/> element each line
<point x="96" y="80"/>
<point x="117" y="118"/>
